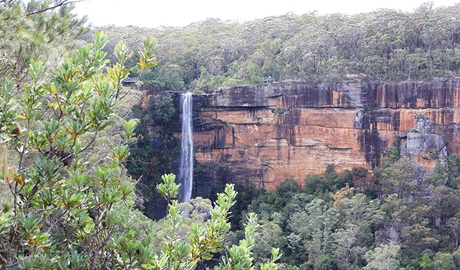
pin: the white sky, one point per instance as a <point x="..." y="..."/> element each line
<point x="155" y="13"/>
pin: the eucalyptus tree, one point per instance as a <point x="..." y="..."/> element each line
<point x="311" y="239"/>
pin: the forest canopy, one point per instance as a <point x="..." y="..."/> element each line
<point x="385" y="45"/>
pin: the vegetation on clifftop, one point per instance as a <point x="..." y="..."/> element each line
<point x="385" y="45"/>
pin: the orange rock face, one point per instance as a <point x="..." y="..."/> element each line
<point x="271" y="150"/>
<point x="266" y="134"/>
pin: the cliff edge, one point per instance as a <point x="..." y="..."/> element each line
<point x="265" y="134"/>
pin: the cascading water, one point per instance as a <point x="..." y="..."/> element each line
<point x="186" y="159"/>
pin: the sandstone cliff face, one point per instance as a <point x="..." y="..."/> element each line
<point x="265" y="134"/>
<point x="424" y="144"/>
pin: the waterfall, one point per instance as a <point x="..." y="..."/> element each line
<point x="186" y="158"/>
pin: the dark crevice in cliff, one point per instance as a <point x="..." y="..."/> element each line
<point x="240" y="108"/>
<point x="340" y="149"/>
<point x="370" y="144"/>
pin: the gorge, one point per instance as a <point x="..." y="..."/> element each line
<point x="265" y="134"/>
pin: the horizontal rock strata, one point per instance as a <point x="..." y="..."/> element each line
<point x="265" y="134"/>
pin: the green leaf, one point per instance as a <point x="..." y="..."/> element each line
<point x="168" y="189"/>
<point x="129" y="127"/>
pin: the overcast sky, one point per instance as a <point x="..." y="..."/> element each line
<point x="155" y="13"/>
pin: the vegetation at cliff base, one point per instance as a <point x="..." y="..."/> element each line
<point x="404" y="218"/>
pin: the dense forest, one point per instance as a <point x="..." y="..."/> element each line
<point x="395" y="218"/>
<point x="68" y="128"/>
<point x="385" y="45"/>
